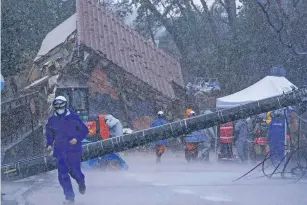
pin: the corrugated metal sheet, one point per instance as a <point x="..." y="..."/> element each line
<point x="101" y="31"/>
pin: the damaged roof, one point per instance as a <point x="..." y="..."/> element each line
<point x="100" y="31"/>
<point x="57" y="36"/>
<point x="103" y="32"/>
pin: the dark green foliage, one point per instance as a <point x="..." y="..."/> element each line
<point x="210" y="40"/>
<point x="239" y="49"/>
<point x="24" y="25"/>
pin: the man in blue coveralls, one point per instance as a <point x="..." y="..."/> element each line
<point x="64" y="133"/>
<point x="160" y="146"/>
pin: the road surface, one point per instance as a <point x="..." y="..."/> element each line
<point x="173" y="182"/>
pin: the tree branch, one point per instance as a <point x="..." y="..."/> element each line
<point x="195" y="8"/>
<point x="167" y="10"/>
<point x="205" y="6"/>
<point x="210" y="18"/>
<point x="187" y="5"/>
<point x="222" y="3"/>
<point x="290" y="45"/>
<point x="149" y="23"/>
<point x="295" y="2"/>
<point x="161" y="18"/>
<point x="268" y="17"/>
<point x="193" y="5"/>
<point x="283" y="12"/>
<point x="182" y="9"/>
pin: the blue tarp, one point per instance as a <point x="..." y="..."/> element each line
<point x="278" y="71"/>
<point x="100" y="160"/>
<point x="276" y="134"/>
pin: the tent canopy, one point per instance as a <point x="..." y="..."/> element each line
<point x="269" y="86"/>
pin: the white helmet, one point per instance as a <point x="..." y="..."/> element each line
<point x="192" y="113"/>
<point x="160" y="112"/>
<point x="59" y="102"/>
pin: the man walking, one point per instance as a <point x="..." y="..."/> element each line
<point x="64" y="133"/>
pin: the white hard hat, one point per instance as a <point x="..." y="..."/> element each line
<point x="59" y="102"/>
<point x="62" y="98"/>
<point x="160" y="113"/>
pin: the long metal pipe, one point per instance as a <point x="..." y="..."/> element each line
<point x="41" y="164"/>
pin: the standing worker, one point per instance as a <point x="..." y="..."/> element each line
<point x="160" y="146"/>
<point x="226" y="140"/>
<point x="202" y="143"/>
<point x="241" y="129"/>
<point x="64" y="133"/>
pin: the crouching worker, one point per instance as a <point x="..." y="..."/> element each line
<point x="114" y="161"/>
<point x="115" y="126"/>
<point x="64" y="133"/>
<point x="160" y="146"/>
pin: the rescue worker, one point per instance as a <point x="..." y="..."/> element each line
<point x="226" y="140"/>
<point x="64" y="133"/>
<point x="188" y="113"/>
<point x="204" y="141"/>
<point x="160" y="146"/>
<point x="259" y="133"/>
<point x="293" y="126"/>
<point x="116" y="130"/>
<point x="241" y="129"/>
<point x="116" y="127"/>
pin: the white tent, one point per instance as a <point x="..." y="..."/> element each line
<point x="269" y="86"/>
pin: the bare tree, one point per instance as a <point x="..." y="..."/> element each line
<point x="288" y="20"/>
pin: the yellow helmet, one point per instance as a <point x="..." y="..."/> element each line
<point x="269" y="118"/>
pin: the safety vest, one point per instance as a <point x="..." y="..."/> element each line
<point x="98" y="127"/>
<point x="226" y="133"/>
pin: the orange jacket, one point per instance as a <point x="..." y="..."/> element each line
<point x="104" y="130"/>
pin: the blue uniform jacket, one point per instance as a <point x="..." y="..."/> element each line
<point x="60" y="129"/>
<point x="157" y="123"/>
<point x="198" y="136"/>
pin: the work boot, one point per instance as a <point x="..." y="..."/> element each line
<point x="82" y="188"/>
<point x="71" y="201"/>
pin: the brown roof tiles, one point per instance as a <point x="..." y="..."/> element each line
<point x="101" y="31"/>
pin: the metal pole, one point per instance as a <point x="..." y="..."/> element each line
<point x="40" y="164"/>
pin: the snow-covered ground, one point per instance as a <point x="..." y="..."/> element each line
<point x="174" y="182"/>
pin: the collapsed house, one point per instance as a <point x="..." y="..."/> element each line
<point x="127" y="75"/>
